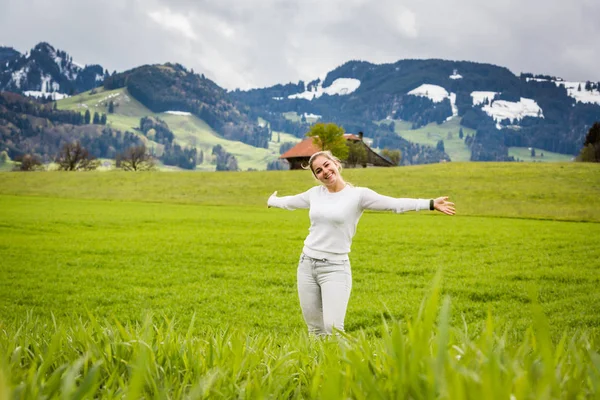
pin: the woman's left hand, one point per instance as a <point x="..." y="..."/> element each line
<point x="444" y="206"/>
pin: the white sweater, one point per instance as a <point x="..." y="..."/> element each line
<point x="334" y="216"/>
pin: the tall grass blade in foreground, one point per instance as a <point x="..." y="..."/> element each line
<point x="419" y="358"/>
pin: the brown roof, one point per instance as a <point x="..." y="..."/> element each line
<point x="306" y="148"/>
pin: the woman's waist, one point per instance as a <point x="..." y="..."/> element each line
<point x="323" y="255"/>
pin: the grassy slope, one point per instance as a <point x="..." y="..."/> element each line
<point x="430" y="134"/>
<point x="455" y="147"/>
<point x="524" y="154"/>
<point x="188" y="130"/>
<point x="542" y="190"/>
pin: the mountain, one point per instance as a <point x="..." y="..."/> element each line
<point x="46" y="71"/>
<point x="8" y="54"/>
<point x="503" y="109"/>
<point x="171" y="87"/>
<point x="432" y="110"/>
<point x="28" y="126"/>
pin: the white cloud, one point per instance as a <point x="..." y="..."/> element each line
<point x="173" y="22"/>
<point x="408" y="23"/>
<point x="257" y="43"/>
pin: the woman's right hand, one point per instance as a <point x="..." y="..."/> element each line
<point x="274" y="195"/>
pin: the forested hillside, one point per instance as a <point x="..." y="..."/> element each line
<point x="30" y="127"/>
<point x="426" y="91"/>
<point x="171" y="87"/>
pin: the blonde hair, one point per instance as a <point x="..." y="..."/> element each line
<point x="325" y="153"/>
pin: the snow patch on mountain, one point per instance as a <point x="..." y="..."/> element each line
<point x="38" y="94"/>
<point x="47" y="88"/>
<point x="436" y="94"/>
<point x="310" y="115"/>
<point x="341" y="86"/>
<point x="482" y="97"/>
<point x="455" y="75"/>
<point x="454" y="108"/>
<point x="500" y="110"/>
<point x="575" y="89"/>
<point x="583" y="96"/>
<point x="18" y="76"/>
<point x="178" y="113"/>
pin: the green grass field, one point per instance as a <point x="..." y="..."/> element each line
<point x="524" y="154"/>
<point x="86" y="258"/>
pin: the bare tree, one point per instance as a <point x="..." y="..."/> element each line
<point x="29" y="162"/>
<point x="73" y="157"/>
<point x="135" y="158"/>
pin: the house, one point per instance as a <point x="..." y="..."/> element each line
<point x="298" y="156"/>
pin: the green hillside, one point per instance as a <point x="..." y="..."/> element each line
<point x="455" y="147"/>
<point x="189" y="130"/>
<point x="524" y="154"/>
<point x="432" y="133"/>
<point x="567" y="191"/>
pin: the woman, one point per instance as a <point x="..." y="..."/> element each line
<point x="324" y="276"/>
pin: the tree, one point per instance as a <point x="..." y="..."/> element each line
<point x="357" y="154"/>
<point x="393" y="155"/>
<point x="103" y="119"/>
<point x="461" y="133"/>
<point x="87" y="117"/>
<point x="111" y="107"/>
<point x="532" y="152"/>
<point x="591" y="147"/>
<point x="96" y="119"/>
<point x="135" y="158"/>
<point x="4" y="157"/>
<point x="285" y="146"/>
<point x="440" y="146"/>
<point x="73" y="157"/>
<point x="329" y="137"/>
<point x="225" y="161"/>
<point x="29" y="162"/>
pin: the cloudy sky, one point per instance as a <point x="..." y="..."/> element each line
<point x="257" y="43"/>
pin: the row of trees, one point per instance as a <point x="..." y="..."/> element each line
<point x="74" y="157"/>
<point x="98" y="119"/>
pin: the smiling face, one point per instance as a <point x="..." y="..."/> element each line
<point x="327" y="171"/>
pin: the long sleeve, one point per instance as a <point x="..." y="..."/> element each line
<point x="371" y="200"/>
<point x="301" y="200"/>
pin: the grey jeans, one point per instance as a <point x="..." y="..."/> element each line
<point x="324" y="290"/>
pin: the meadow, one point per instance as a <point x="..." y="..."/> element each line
<point x="170" y="285"/>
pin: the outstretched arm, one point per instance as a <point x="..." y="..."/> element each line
<point x="301" y="200"/>
<point x="371" y="200"/>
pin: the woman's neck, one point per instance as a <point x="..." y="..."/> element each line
<point x="338" y="186"/>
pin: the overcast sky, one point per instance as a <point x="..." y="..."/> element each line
<point x="257" y="43"/>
